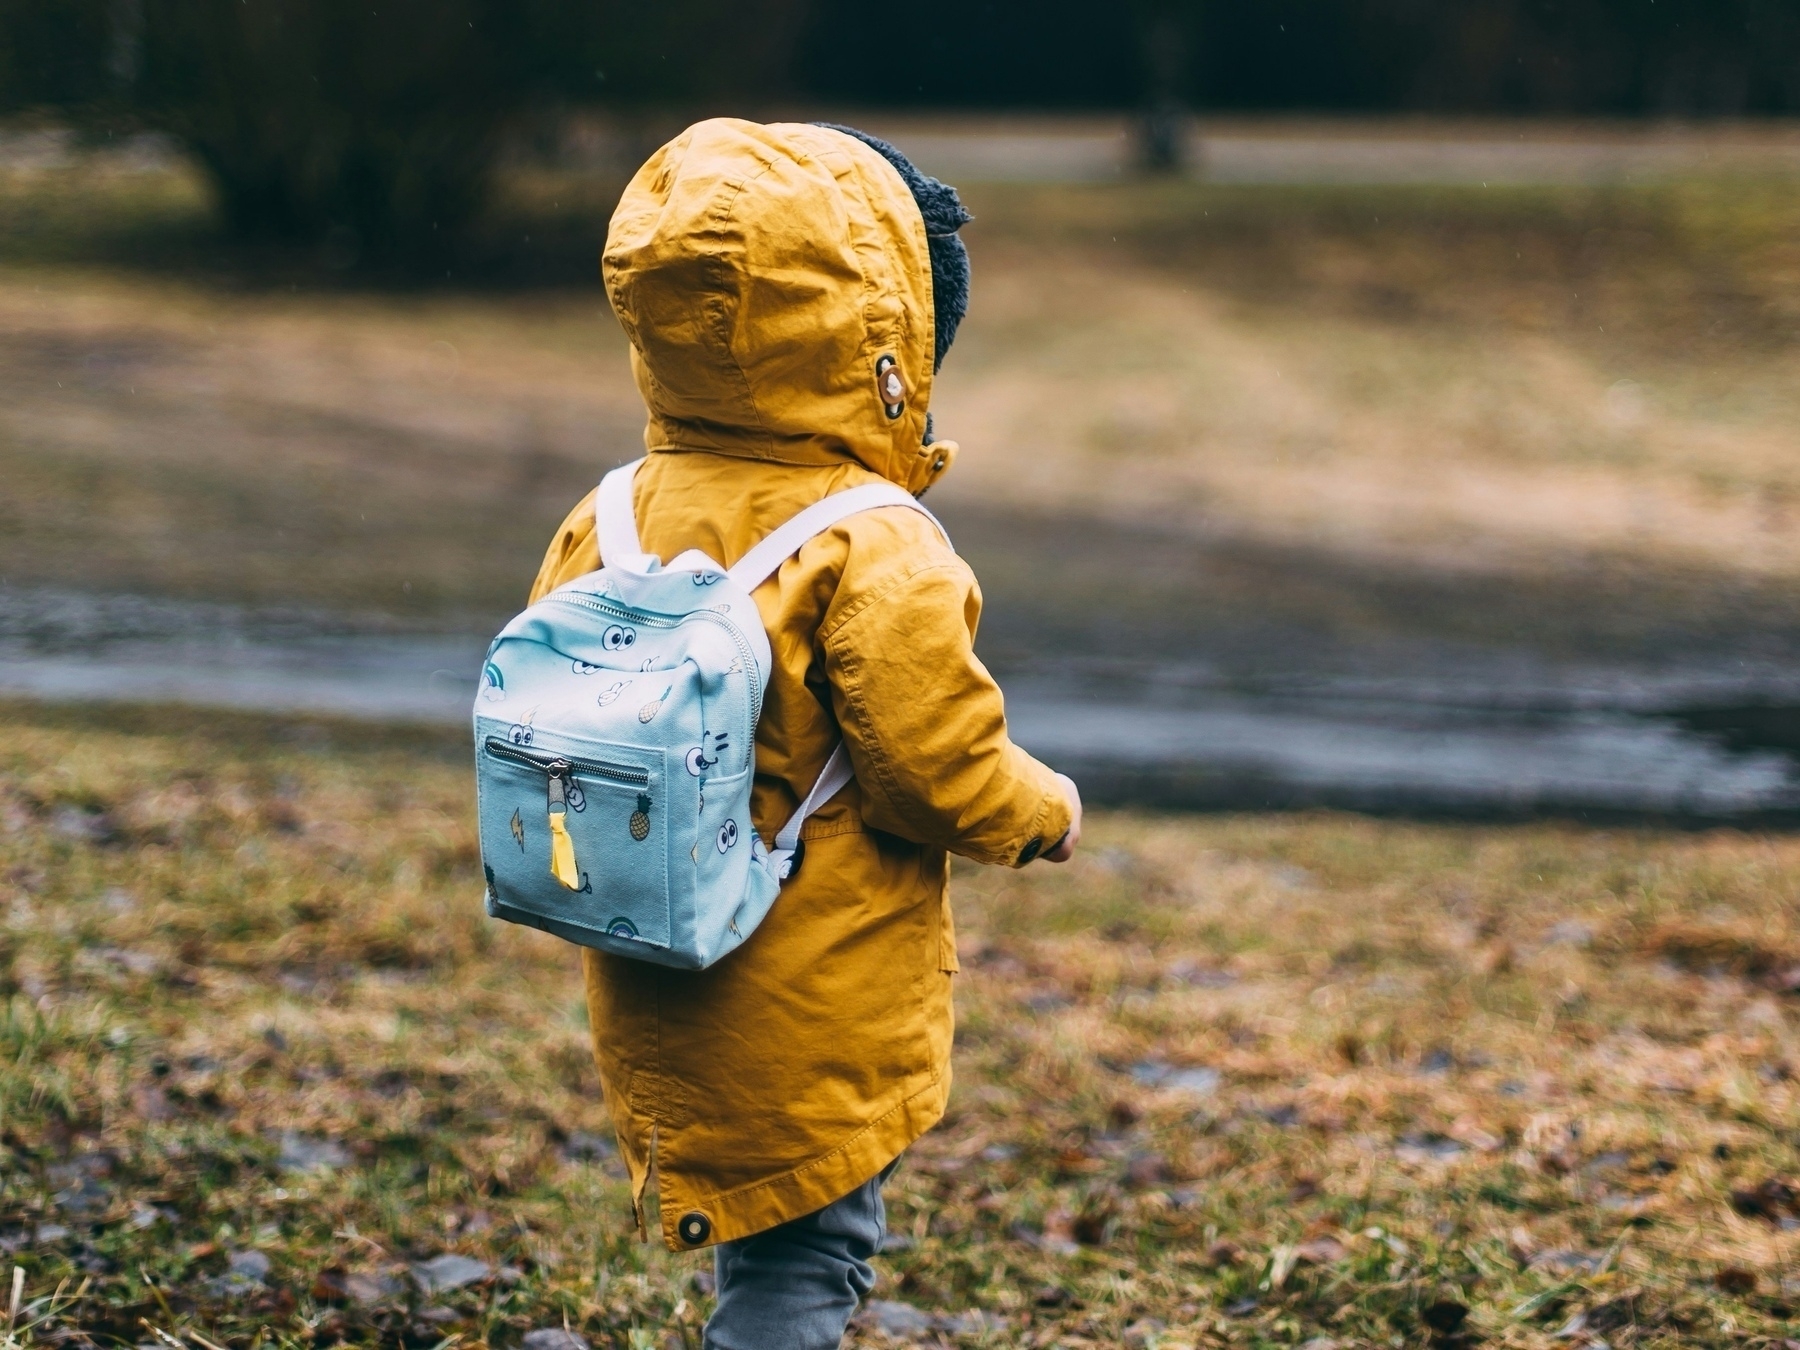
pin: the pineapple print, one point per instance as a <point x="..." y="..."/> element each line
<point x="640" y="819"/>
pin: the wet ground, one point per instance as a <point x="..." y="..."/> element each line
<point x="1160" y="671"/>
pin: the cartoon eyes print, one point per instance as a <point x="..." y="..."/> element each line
<point x="618" y="637"/>
<point x="728" y="835"/>
<point x="520" y="734"/>
<point x="698" y="761"/>
<point x="611" y="693"/>
<point x="707" y="578"/>
<point x="583" y="668"/>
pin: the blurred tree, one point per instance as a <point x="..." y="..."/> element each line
<point x="53" y="54"/>
<point x="1165" y="31"/>
<point x="372" y="125"/>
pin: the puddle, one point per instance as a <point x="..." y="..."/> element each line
<point x="1705" y="746"/>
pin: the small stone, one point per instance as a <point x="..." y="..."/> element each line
<point x="584" y="1147"/>
<point x="1567" y="1262"/>
<point x="234" y="1284"/>
<point x="1426" y="1146"/>
<point x="1570" y="933"/>
<point x="87" y="827"/>
<point x="1189" y="1082"/>
<point x="1200" y="976"/>
<point x="974" y="1322"/>
<point x="252" y="1265"/>
<point x="1146" y="1169"/>
<point x="311" y="1152"/>
<point x="900" y="1321"/>
<point x="1142" y="1334"/>
<point x="1320" y="1251"/>
<point x="84" y="1196"/>
<point x="553" y="1338"/>
<point x="450" y="1271"/>
<point x="369" y="1290"/>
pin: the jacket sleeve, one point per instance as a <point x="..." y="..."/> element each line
<point x="925" y="724"/>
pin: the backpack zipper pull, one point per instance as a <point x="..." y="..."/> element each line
<point x="562" y="848"/>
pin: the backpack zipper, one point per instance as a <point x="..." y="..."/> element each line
<point x="751" y="671"/>
<point x="597" y="768"/>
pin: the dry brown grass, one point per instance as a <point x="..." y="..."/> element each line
<point x="1505" y="383"/>
<point x="1236" y="1080"/>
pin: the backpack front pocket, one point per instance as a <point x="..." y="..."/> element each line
<point x="577" y="842"/>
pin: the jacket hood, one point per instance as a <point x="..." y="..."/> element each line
<point x="774" y="281"/>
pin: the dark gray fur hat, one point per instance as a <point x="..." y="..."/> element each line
<point x="944" y="215"/>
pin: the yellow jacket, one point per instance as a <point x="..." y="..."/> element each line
<point x="761" y="273"/>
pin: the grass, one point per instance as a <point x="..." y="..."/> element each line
<point x="1223" y="1081"/>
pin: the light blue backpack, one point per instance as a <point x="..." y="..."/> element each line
<point x="615" y="744"/>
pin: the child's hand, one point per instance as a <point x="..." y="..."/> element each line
<point x="1066" y="849"/>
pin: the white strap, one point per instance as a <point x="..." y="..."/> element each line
<point x="832" y="777"/>
<point x="759" y="564"/>
<point x="756" y="567"/>
<point x="616" y="523"/>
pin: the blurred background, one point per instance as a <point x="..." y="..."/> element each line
<point x="1371" y="403"/>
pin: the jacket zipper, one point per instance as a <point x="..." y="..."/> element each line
<point x="566" y="764"/>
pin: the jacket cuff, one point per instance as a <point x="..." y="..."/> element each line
<point x="1049" y="827"/>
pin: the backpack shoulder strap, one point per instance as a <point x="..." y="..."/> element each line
<point x="756" y="567"/>
<point x="615" y="522"/>
<point x="759" y="564"/>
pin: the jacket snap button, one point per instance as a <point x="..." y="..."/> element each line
<point x="890" y="387"/>
<point x="694" y="1227"/>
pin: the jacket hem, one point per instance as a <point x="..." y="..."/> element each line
<point x="810" y="1187"/>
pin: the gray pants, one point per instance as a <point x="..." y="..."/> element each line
<point x="796" y="1286"/>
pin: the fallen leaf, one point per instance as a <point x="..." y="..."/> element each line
<point x="1445" y="1315"/>
<point x="1123" y="1112"/>
<point x="1735" y="1280"/>
<point x="1093" y="1226"/>
<point x="1768" y="1199"/>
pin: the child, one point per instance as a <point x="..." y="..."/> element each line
<point x="789" y="292"/>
